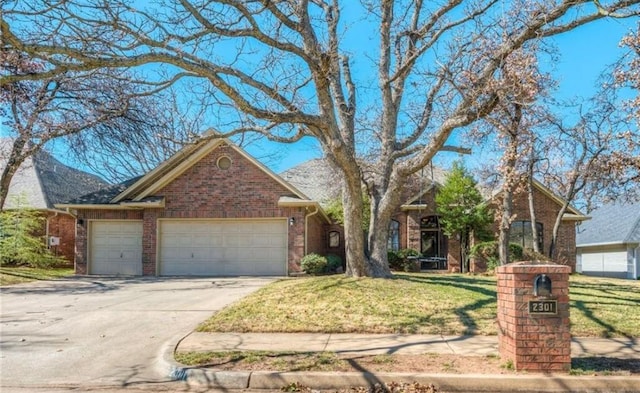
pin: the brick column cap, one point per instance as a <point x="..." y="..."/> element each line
<point x="533" y="267"/>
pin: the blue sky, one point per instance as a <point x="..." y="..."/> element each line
<point x="584" y="53"/>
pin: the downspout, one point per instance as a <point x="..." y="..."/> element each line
<point x="306" y="227"/>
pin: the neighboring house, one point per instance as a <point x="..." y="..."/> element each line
<point x="41" y="182"/>
<point x="609" y="244"/>
<point x="211" y="209"/>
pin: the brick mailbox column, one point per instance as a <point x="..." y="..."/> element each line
<point x="534" y="330"/>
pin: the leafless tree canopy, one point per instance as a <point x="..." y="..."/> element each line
<point x="387" y="80"/>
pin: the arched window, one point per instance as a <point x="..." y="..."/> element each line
<point x="334" y="239"/>
<point x="521" y="233"/>
<point x="394" y="235"/>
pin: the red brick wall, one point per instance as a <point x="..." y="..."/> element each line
<point x="205" y="191"/>
<point x="340" y="250"/>
<point x="546" y="210"/>
<point x="63" y="226"/>
<point x="533" y="342"/>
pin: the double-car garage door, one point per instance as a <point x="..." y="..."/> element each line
<point x="194" y="247"/>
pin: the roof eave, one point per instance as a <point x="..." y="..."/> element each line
<point x="575" y="217"/>
<point x="89" y="206"/>
<point x="294" y="202"/>
<point x="615" y="243"/>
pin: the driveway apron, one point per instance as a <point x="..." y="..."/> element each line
<point x="104" y="331"/>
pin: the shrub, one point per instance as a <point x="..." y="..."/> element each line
<point x="409" y="264"/>
<point x="314" y="264"/>
<point x="489" y="252"/>
<point x="19" y="243"/>
<point x="395" y="261"/>
<point x="334" y="262"/>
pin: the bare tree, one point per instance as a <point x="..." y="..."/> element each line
<point x="60" y="105"/>
<point x="284" y="69"/>
<point x="590" y="160"/>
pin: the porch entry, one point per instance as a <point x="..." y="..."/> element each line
<point x="433" y="244"/>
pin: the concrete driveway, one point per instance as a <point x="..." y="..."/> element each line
<point x="103" y="331"/>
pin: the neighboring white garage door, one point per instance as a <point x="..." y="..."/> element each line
<point x="116" y="247"/>
<point x="605" y="263"/>
<point x="223" y="247"/>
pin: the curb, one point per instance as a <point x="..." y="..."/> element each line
<point x="265" y="380"/>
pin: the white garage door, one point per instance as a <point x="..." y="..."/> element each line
<point x="116" y="247"/>
<point x="223" y="247"/>
<point x="605" y="263"/>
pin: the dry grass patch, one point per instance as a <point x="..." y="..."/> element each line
<point x="427" y="304"/>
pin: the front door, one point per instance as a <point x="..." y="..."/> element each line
<point x="430" y="244"/>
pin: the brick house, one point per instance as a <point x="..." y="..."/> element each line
<point x="211" y="209"/>
<point x="41" y="182"/>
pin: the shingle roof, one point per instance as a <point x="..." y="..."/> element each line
<point x="45" y="181"/>
<point x="610" y="224"/>
<point x="316" y="179"/>
<point x="321" y="182"/>
<point x="104" y="195"/>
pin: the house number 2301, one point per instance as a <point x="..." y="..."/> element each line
<point x="543" y="307"/>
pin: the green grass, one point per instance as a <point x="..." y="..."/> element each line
<point x="417" y="303"/>
<point x="20" y="275"/>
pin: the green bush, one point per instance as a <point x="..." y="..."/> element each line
<point x="399" y="260"/>
<point x="314" y="264"/>
<point x="19" y="243"/>
<point x="395" y="262"/>
<point x="333" y="263"/>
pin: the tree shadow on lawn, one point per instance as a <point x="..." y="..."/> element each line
<point x="468" y="283"/>
<point x="609" y="330"/>
<point x="601" y="290"/>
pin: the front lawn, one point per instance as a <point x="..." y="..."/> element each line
<point x="19" y="275"/>
<point x="450" y="304"/>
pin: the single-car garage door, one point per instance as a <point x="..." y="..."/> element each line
<point x="223" y="247"/>
<point x="606" y="264"/>
<point x="116" y="247"/>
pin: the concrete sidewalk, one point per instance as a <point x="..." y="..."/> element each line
<point x="398" y="344"/>
<point x="369" y="344"/>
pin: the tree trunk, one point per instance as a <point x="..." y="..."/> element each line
<point x="378" y="240"/>
<point x="532" y="214"/>
<point x="464" y="245"/>
<point x="354" y="239"/>
<point x="554" y="236"/>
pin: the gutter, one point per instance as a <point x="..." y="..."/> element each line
<point x="306" y="227"/>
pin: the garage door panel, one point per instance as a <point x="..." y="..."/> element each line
<point x="115" y="247"/>
<point x="232" y="247"/>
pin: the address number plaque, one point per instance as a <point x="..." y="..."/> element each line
<point x="543" y="307"/>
